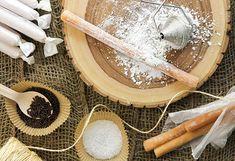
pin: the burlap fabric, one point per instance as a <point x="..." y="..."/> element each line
<point x="58" y="72"/>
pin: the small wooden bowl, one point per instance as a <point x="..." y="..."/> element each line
<point x="107" y="80"/>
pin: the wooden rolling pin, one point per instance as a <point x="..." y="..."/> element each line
<point x="130" y="51"/>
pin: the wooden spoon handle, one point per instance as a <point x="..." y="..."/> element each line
<point x="130" y="51"/>
<point x="8" y="92"/>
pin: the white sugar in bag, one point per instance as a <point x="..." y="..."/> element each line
<point x="15" y="53"/>
<point x="12" y="38"/>
<point x="31" y="30"/>
<point x="28" y="13"/>
<point x="43" y="4"/>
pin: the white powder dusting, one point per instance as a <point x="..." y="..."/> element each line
<point x="140" y="31"/>
<point x="102" y="139"/>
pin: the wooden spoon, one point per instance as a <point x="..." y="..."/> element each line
<point x="24" y="100"/>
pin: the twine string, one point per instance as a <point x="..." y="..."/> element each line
<point x="15" y="150"/>
<point x="127" y="124"/>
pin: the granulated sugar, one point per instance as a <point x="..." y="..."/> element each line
<point x="140" y="31"/>
<point x="102" y="139"/>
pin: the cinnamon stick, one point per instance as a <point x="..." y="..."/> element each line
<point x="202" y="120"/>
<point x="206" y="118"/>
<point x="163" y="138"/>
<point x="180" y="141"/>
<point x="127" y="49"/>
<point x="188" y="126"/>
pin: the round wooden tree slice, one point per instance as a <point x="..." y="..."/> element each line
<point x="98" y="67"/>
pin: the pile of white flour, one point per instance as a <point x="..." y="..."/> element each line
<point x="140" y="31"/>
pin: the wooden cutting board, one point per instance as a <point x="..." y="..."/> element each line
<point x="107" y="78"/>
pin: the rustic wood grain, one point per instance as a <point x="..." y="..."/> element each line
<point x="107" y="78"/>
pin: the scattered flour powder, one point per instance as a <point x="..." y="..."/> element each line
<point x="140" y="31"/>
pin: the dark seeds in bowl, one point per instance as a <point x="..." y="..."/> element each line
<point x="45" y="122"/>
<point x="40" y="108"/>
